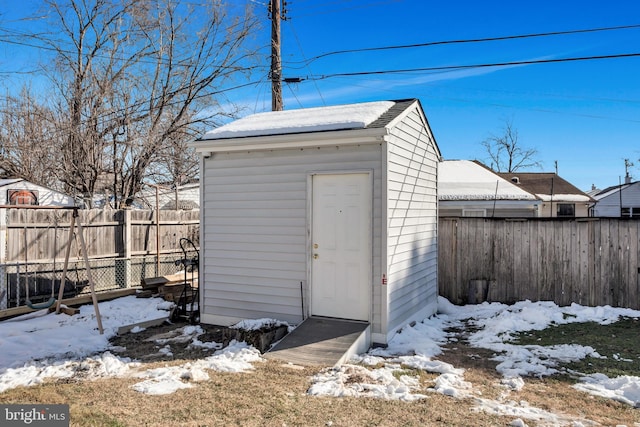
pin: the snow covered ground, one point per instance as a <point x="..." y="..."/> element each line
<point x="39" y="346"/>
<point x="417" y="347"/>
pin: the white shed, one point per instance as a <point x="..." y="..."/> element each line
<point x="327" y="211"/>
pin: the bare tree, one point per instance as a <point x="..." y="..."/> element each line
<point x="135" y="80"/>
<point x="507" y="154"/>
<point x="26" y="133"/>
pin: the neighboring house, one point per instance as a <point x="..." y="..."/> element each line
<point x="618" y="201"/>
<point x="327" y="211"/>
<point x="17" y="191"/>
<point x="468" y="188"/>
<point x="559" y="197"/>
<point x="188" y="196"/>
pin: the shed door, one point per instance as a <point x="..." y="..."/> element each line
<point x="341" y="246"/>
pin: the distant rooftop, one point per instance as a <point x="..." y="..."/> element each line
<point x="468" y="180"/>
<point x="600" y="194"/>
<point x="546" y="185"/>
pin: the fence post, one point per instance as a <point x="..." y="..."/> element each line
<point x="4" y="288"/>
<point x="123" y="266"/>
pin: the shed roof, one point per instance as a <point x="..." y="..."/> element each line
<point x="468" y="180"/>
<point x="367" y="115"/>
<point x="341" y="125"/>
<point x="546" y="186"/>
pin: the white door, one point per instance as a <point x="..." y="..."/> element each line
<point x="341" y="246"/>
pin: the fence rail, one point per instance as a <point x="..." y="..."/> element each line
<point x="592" y="261"/>
<point x="123" y="246"/>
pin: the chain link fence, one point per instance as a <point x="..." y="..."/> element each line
<point x="38" y="282"/>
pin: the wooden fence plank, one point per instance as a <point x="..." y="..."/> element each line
<point x="632" y="263"/>
<point x="516" y="287"/>
<point x="569" y="259"/>
<point x="580" y="289"/>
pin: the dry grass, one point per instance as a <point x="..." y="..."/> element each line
<point x="276" y="395"/>
<point x="272" y="395"/>
<point x="558" y="396"/>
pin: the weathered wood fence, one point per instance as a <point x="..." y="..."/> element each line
<point x="41" y="235"/>
<point x="123" y="246"/>
<point x="590" y="261"/>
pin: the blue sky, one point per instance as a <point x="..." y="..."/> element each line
<point x="585" y="115"/>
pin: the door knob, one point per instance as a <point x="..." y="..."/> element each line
<point x="315" y="256"/>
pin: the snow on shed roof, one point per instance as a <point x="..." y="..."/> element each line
<point x="339" y="117"/>
<point x="467" y="180"/>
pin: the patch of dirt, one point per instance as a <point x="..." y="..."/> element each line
<point x="460" y="354"/>
<point x="151" y="343"/>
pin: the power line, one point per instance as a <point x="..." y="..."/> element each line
<point x="501" y="105"/>
<point x="460" y="41"/>
<point x="463" y="67"/>
<point x="295" y="35"/>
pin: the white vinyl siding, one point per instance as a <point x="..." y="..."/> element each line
<point x="609" y="206"/>
<point x="412" y="221"/>
<point x="255" y="229"/>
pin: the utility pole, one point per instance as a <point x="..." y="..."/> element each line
<point x="276" y="14"/>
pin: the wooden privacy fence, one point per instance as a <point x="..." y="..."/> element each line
<point x="108" y="233"/>
<point x="590" y="261"/>
<point x="123" y="247"/>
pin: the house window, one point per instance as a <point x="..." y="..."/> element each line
<point x="22" y="197"/>
<point x="630" y="212"/>
<point x="474" y="212"/>
<point x="566" y="209"/>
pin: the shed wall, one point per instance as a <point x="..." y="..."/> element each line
<point x="255" y="229"/>
<point x="412" y="210"/>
